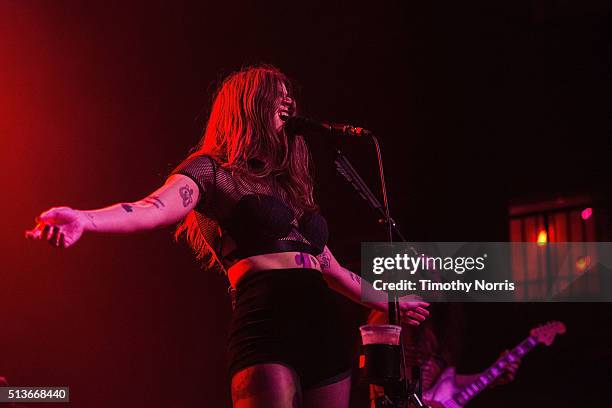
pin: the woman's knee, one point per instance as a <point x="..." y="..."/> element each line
<point x="266" y="385"/>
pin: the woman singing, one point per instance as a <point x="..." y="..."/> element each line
<point x="244" y="200"/>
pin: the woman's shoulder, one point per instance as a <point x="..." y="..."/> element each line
<point x="200" y="162"/>
<point x="203" y="158"/>
<point x="202" y="168"/>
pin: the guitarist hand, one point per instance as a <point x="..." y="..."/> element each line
<point x="509" y="371"/>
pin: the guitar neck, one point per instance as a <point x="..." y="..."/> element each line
<point x="494" y="372"/>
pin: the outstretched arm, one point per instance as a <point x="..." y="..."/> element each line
<point x="63" y="226"/>
<point x="167" y="205"/>
<point x="352" y="286"/>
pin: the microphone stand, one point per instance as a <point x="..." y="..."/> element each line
<point x="398" y="393"/>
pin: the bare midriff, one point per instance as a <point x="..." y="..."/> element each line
<point x="277" y="260"/>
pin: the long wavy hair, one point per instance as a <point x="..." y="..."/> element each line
<point x="241" y="137"/>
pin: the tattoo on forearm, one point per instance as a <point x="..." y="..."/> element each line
<point x="154" y="200"/>
<point x="354" y="277"/>
<point x="324" y="260"/>
<point x="127" y="208"/>
<point x="186" y="194"/>
<point x="91" y="219"/>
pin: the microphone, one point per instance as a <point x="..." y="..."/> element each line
<point x="298" y="124"/>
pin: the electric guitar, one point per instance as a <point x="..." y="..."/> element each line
<point x="445" y="393"/>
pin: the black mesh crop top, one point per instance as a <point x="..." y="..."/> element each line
<point x="240" y="219"/>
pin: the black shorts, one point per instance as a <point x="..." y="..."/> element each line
<point x="288" y="317"/>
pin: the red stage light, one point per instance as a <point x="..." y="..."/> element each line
<point x="586" y="213"/>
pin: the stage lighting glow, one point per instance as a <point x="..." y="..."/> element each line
<point x="542" y="237"/>
<point x="586" y="213"/>
<point x="582" y="263"/>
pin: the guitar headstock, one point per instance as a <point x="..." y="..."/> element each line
<point x="546" y="333"/>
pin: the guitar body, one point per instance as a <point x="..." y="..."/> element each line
<point x="440" y="395"/>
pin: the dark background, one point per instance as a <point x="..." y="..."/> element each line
<point x="475" y="104"/>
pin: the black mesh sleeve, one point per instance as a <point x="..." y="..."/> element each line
<point x="202" y="170"/>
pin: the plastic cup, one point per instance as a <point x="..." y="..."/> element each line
<point x="382" y="352"/>
<point x="380" y="334"/>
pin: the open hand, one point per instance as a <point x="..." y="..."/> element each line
<point x="60" y="226"/>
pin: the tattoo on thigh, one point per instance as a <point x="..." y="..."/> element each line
<point x="186" y="194"/>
